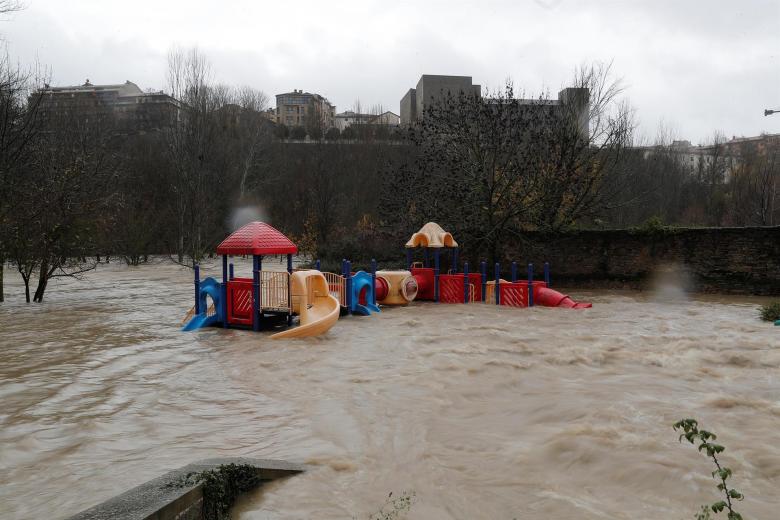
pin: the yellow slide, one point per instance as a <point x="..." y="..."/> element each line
<point x="312" y="302"/>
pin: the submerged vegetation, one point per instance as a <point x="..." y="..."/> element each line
<point x="692" y="433"/>
<point x="221" y="487"/>
<point x="771" y="311"/>
<point x="394" y="508"/>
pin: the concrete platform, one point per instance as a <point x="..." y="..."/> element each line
<point x="165" y="498"/>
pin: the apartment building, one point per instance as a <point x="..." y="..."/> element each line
<point x="296" y="108"/>
<point x="132" y="109"/>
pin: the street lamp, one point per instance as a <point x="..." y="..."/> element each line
<point x="768" y="112"/>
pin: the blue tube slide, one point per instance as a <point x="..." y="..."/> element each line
<point x="208" y="287"/>
<point x="363" y="281"/>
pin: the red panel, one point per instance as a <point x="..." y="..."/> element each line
<point x="451" y="288"/>
<point x="257" y="238"/>
<point x="513" y="294"/>
<point x="475" y="279"/>
<point x="239" y="302"/>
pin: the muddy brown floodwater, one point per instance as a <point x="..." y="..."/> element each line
<point x="482" y="412"/>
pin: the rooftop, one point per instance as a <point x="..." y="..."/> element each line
<point x="128" y="88"/>
<point x="257" y="238"/>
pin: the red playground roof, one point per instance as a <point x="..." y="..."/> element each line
<point x="257" y="238"/>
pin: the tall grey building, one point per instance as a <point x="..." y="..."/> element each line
<point x="430" y="89"/>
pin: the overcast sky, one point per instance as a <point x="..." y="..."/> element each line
<point x="694" y="66"/>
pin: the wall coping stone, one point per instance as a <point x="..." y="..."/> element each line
<point x="161" y="499"/>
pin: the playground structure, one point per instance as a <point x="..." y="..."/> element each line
<point x="269" y="297"/>
<point x="319" y="298"/>
<point x="426" y="281"/>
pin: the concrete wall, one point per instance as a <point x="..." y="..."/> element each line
<point x="729" y="260"/>
<point x="578" y="101"/>
<point x="432" y="88"/>
<point x="409" y="107"/>
<point x="174" y="497"/>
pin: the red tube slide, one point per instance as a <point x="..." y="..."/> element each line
<point x="550" y="298"/>
<point x="425" y="282"/>
<point x="380" y="287"/>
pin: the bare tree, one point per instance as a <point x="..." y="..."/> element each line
<point x="488" y="167"/>
<point x="63" y="195"/>
<point x="19" y="126"/>
<point x="254" y="133"/>
<point x="712" y="167"/>
<point x="191" y="139"/>
<point x="754" y="185"/>
<point x="316" y="119"/>
<point x="10" y="6"/>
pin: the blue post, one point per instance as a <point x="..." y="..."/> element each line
<point x="256" y="303"/>
<point x="547" y="274"/>
<point x="231" y="275"/>
<point x="344" y="276"/>
<point x="373" y="280"/>
<point x="436" y="275"/>
<point x="317" y="265"/>
<point x="514" y="272"/>
<point x="224" y="290"/>
<point x="348" y="286"/>
<point x="530" y="285"/>
<point x="483" y="269"/>
<point x="497" y="287"/>
<point x="465" y="282"/>
<point x="408" y="259"/>
<point x="289" y="289"/>
<point x="426" y="262"/>
<point x="197" y="289"/>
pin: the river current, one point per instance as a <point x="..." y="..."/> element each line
<point x="479" y="411"/>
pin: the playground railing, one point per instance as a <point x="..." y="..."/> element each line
<point x="211" y="311"/>
<point x="336" y="287"/>
<point x="274" y="287"/>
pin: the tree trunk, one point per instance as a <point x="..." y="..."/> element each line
<point x="43" y="280"/>
<point x="25" y="271"/>
<point x="2" y="266"/>
<point x="180" y="241"/>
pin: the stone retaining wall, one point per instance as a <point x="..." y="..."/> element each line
<point x="728" y="260"/>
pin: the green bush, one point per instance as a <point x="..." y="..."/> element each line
<point x="691" y="433"/>
<point x="771" y="311"/>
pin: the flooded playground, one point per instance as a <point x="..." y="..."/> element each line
<point x="480" y="411"/>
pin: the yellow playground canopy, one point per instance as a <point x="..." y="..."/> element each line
<point x="431" y="235"/>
